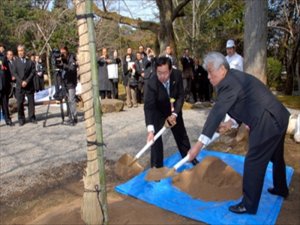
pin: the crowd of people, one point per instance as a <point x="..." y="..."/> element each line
<point x="138" y="67"/>
<point x="163" y="87"/>
<point x="23" y="75"/>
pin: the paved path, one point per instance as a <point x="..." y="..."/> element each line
<point x="27" y="152"/>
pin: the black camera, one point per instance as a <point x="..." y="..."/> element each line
<point x="56" y="58"/>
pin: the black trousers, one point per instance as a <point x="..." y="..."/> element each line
<point x="4" y="97"/>
<point x="257" y="159"/>
<point x="20" y="94"/>
<point x="105" y="94"/>
<point x="180" y="136"/>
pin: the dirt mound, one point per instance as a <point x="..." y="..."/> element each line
<point x="210" y="180"/>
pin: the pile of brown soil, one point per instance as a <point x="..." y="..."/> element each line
<point x="210" y="180"/>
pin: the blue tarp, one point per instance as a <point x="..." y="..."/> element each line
<point x="168" y="197"/>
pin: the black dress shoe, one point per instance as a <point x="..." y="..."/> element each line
<point x="70" y="122"/>
<point x="21" y="123"/>
<point x="274" y="192"/>
<point x="33" y="121"/>
<point x="9" y="123"/>
<point x="239" y="208"/>
<point x="195" y="162"/>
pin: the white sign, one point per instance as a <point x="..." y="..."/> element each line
<point x="112" y="71"/>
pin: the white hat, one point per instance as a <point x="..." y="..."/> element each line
<point x="230" y="44"/>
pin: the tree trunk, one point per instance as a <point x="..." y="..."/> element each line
<point x="166" y="33"/>
<point x="93" y="207"/>
<point x="255" y="39"/>
<point x="292" y="55"/>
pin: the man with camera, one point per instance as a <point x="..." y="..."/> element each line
<point x="66" y="79"/>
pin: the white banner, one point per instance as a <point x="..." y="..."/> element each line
<point x="112" y="71"/>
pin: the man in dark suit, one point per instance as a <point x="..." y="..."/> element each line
<point x="169" y="54"/>
<point x="162" y="87"/>
<point x="248" y="101"/>
<point x="5" y="86"/>
<point x="187" y="70"/>
<point x="23" y="70"/>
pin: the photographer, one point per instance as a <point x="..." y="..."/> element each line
<point x="66" y="78"/>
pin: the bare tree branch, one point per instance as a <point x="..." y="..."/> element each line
<point x="136" y="23"/>
<point x="104" y="7"/>
<point x="177" y="11"/>
<point x="281" y="28"/>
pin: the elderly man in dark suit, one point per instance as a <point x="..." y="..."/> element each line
<point x="24" y="70"/>
<point x="247" y="100"/>
<point x="164" y="99"/>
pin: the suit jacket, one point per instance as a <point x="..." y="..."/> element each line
<point x="149" y="66"/>
<point x="126" y="72"/>
<point x="157" y="104"/>
<point x="187" y="66"/>
<point x="24" y="72"/>
<point x="70" y="68"/>
<point x="247" y="100"/>
<point x="173" y="60"/>
<point x="5" y="76"/>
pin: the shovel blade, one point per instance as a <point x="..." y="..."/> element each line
<point x="126" y="167"/>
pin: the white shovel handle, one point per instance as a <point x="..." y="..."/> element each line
<point x="181" y="162"/>
<point x="187" y="157"/>
<point x="149" y="144"/>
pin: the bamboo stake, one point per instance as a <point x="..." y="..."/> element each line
<point x="97" y="110"/>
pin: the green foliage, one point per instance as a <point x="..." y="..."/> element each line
<point x="274" y="68"/>
<point x="216" y="21"/>
<point x="20" y="19"/>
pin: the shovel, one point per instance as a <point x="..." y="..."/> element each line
<point x="163" y="172"/>
<point x="127" y="166"/>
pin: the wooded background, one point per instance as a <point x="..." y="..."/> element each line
<point x="201" y="25"/>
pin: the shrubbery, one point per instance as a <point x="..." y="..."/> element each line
<point x="274" y="68"/>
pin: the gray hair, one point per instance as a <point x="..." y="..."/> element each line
<point x="21" y="46"/>
<point x="216" y="59"/>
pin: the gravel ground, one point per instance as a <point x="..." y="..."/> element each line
<point x="32" y="155"/>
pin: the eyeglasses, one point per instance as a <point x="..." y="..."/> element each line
<point x="162" y="73"/>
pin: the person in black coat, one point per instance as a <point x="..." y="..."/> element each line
<point x="187" y="71"/>
<point x="169" y="54"/>
<point x="5" y="85"/>
<point x="69" y="74"/>
<point x="200" y="84"/>
<point x="164" y="86"/>
<point x="247" y="100"/>
<point x="140" y="74"/>
<point x="24" y="71"/>
<point x="38" y="79"/>
<point x="105" y="86"/>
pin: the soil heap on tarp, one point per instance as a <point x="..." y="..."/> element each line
<point x="210" y="180"/>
